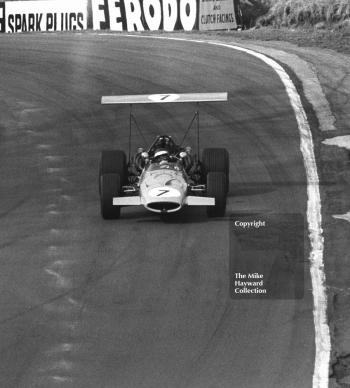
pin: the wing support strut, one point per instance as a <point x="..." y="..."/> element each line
<point x="132" y="119"/>
<point x="195" y="118"/>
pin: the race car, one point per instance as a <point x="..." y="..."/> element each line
<point x="167" y="176"/>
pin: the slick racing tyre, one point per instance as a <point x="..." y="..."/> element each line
<point x="216" y="187"/>
<point x="110" y="187"/>
<point x="113" y="162"/>
<point x="216" y="160"/>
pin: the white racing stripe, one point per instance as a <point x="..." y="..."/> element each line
<point x="339" y="141"/>
<point x="345" y="216"/>
<point x="314" y="218"/>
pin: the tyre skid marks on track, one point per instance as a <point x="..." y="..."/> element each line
<point x="314" y="218"/>
<point x="57" y="367"/>
<point x="44" y="146"/>
<point x="15" y="207"/>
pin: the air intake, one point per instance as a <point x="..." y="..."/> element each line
<point x="163" y="206"/>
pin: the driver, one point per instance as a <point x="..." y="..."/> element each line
<point x="164" y="142"/>
<point x="160" y="156"/>
<point x="164" y="154"/>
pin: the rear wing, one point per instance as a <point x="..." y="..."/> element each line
<point x="164" y="98"/>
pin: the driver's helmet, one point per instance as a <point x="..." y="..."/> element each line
<point x="161" y="154"/>
<point x="165" y="142"/>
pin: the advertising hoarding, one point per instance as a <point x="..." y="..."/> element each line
<point x="42" y="15"/>
<point x="122" y="15"/>
<point x="217" y="15"/>
<point x="145" y="15"/>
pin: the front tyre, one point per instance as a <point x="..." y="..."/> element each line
<point x="217" y="188"/>
<point x="110" y="187"/>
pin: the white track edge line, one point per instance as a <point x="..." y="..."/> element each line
<point x="314" y="216"/>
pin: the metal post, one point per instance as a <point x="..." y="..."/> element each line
<point x="130" y="119"/>
<point x="197" y="130"/>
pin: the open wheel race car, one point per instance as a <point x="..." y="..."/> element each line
<point x="167" y="176"/>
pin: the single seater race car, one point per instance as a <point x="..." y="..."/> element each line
<point x="167" y="176"/>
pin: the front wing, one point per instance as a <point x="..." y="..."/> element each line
<point x="190" y="200"/>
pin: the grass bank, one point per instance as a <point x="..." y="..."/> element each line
<point x="319" y="23"/>
<point x="290" y="13"/>
<point x="338" y="40"/>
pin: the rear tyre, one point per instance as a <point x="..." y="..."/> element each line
<point x="110" y="187"/>
<point x="113" y="162"/>
<point x="216" y="187"/>
<point x="216" y="160"/>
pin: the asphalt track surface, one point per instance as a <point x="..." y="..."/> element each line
<point x="138" y="302"/>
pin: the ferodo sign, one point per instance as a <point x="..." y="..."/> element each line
<point x="217" y="15"/>
<point x="140" y="15"/>
<point x="48" y="15"/>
